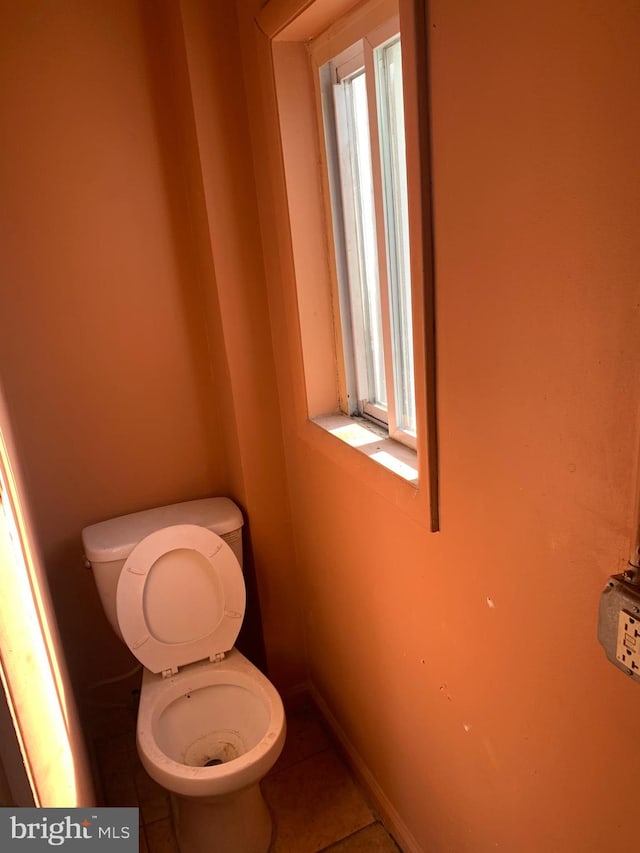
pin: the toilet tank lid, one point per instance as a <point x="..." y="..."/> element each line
<point x="115" y="539"/>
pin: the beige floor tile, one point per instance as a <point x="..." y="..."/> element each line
<point x="305" y="737"/>
<point x="114" y="722"/>
<point x="114" y="756"/>
<point x="119" y="790"/>
<point x="160" y="837"/>
<point x="142" y="846"/>
<point x="371" y="839"/>
<point x="124" y="741"/>
<point x="314" y="803"/>
<point x="153" y="799"/>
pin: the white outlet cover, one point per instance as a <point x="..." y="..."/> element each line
<point x="628" y="646"/>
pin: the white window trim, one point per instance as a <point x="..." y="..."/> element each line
<point x="345" y="63"/>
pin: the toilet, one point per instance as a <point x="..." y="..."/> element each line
<point x="210" y="725"/>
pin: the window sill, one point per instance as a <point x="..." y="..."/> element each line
<point x="373" y="442"/>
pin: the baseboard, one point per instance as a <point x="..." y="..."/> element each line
<point x="295" y="698"/>
<point x="390" y="817"/>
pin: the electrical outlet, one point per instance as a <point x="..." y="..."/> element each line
<point x="619" y="624"/>
<point x="628" y="647"/>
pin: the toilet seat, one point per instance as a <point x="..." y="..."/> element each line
<point x="180" y="598"/>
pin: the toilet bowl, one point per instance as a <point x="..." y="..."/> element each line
<point x="210" y="725"/>
<point x="210" y="730"/>
<point x="209" y="734"/>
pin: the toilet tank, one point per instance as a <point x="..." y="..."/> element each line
<point x="108" y="543"/>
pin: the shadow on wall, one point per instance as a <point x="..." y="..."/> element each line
<point x="250" y="639"/>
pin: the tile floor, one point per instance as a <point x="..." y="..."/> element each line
<point x="315" y="802"/>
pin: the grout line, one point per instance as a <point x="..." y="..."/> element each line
<point x="334" y="745"/>
<point x="295" y="763"/>
<point x="366" y="781"/>
<point x="157" y="820"/>
<point x="351" y="835"/>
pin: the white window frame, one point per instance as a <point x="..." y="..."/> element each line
<point x="335" y="76"/>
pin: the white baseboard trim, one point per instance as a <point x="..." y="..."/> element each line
<point x="396" y="825"/>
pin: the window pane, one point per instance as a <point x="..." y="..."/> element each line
<point x="394" y="170"/>
<point x="365" y="227"/>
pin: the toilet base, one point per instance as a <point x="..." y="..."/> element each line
<point x="235" y="823"/>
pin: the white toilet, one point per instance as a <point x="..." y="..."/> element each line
<point x="210" y="724"/>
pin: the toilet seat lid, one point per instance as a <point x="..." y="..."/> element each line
<point x="180" y="597"/>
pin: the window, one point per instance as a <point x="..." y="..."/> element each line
<point x="345" y="201"/>
<point x="363" y="124"/>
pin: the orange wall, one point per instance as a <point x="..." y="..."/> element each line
<point x="233" y="235"/>
<point x="127" y="206"/>
<point x="102" y="349"/>
<point x="463" y="666"/>
<point x="124" y="390"/>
